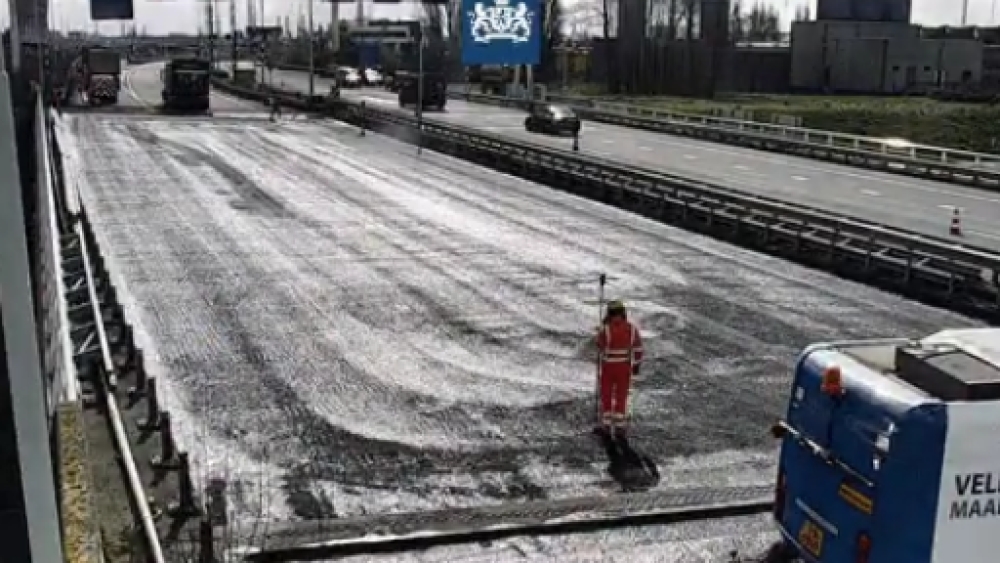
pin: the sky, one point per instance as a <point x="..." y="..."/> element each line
<point x="164" y="16"/>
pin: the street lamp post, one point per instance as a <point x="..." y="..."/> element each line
<point x="312" y="58"/>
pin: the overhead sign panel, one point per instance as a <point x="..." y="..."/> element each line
<point x="103" y="10"/>
<point x="501" y="32"/>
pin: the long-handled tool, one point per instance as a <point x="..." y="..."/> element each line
<point x="602" y="280"/>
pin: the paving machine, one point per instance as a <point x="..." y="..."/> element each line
<point x="186" y="84"/>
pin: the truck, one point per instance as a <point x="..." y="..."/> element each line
<point x="435" y="93"/>
<point x="101" y="75"/>
<point x="889" y="452"/>
<point x="186" y="84"/>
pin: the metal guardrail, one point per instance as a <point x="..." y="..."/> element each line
<point x="935" y="270"/>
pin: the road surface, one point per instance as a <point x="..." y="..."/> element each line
<point x="341" y="326"/>
<point x="917" y="205"/>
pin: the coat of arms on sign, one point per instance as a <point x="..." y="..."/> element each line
<point x="501" y="22"/>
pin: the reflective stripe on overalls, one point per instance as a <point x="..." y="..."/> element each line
<point x="619" y="355"/>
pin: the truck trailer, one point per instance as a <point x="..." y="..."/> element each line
<point x="101" y="75"/>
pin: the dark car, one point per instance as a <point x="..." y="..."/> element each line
<point x="546" y="118"/>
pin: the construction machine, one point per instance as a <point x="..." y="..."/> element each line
<point x="888" y="452"/>
<point x="186" y="84"/>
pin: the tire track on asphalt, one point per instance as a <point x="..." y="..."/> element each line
<point x="526" y="418"/>
<point x="745" y="394"/>
<point x="694" y="388"/>
<point x="736" y="328"/>
<point x="255" y="356"/>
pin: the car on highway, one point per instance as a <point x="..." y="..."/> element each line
<point x="349" y="77"/>
<point x="372" y="77"/>
<point x="552" y="119"/>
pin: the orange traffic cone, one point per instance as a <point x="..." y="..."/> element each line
<point x="956" y="223"/>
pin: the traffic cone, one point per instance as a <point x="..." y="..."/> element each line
<point x="956" y="223"/>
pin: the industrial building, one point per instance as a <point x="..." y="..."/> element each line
<point x="870" y="46"/>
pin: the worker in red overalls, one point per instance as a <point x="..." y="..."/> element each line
<point x="620" y="347"/>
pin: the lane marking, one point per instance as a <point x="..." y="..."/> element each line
<point x="130" y="89"/>
<point x="690" y="157"/>
<point x="647" y="149"/>
<point x="800" y="178"/>
<point x="871" y="193"/>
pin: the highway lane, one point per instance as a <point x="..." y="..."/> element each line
<point x="921" y="206"/>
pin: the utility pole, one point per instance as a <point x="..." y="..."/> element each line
<point x="965" y="13"/>
<point x="312" y="55"/>
<point x="232" y="31"/>
<point x="210" y="13"/>
<point x="335" y="28"/>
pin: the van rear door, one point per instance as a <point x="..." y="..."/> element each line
<point x="829" y="470"/>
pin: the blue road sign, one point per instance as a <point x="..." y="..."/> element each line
<point x="501" y="32"/>
<point x="101" y="10"/>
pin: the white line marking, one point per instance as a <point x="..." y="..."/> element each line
<point x="801" y="179"/>
<point x="647" y="149"/>
<point x="131" y="90"/>
<point x="690" y="157"/>
<point x="871" y="193"/>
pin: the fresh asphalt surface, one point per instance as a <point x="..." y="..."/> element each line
<point x="917" y="205"/>
<point x="340" y="326"/>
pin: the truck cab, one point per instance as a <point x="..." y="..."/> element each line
<point x="890" y="452"/>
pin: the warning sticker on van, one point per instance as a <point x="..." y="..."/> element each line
<point x="976" y="496"/>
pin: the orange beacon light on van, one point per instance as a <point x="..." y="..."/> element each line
<point x="833" y="384"/>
